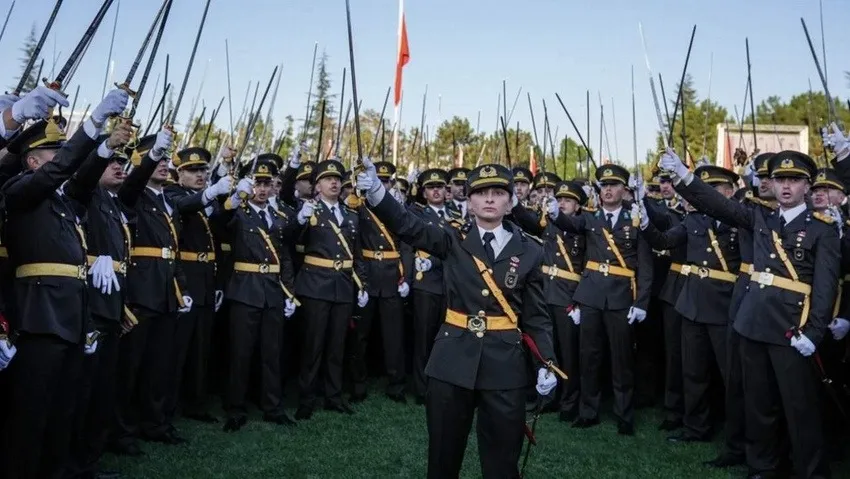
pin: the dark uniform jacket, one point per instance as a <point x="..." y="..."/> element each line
<point x="196" y="240"/>
<point x="430" y="281"/>
<point x="384" y="274"/>
<point x="9" y="168"/>
<point x="664" y="218"/>
<point x="321" y="241"/>
<point x="559" y="291"/>
<point x="43" y="226"/>
<point x="703" y="299"/>
<point x="745" y="242"/>
<point x="256" y="244"/>
<point x="611" y="292"/>
<point x="810" y="244"/>
<point x="497" y="360"/>
<point x="661" y="257"/>
<point x="153" y="283"/>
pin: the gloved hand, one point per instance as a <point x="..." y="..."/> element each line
<point x="226" y="155"/>
<point x="295" y="156"/>
<point x="514" y="199"/>
<point x="552" y="208"/>
<point x="362" y="299"/>
<point x="245" y="186"/>
<point x="636" y="314"/>
<point x="835" y="214"/>
<point x="367" y="180"/>
<point x="749" y="169"/>
<point x="839" y="327"/>
<point x="306" y="212"/>
<point x="671" y="162"/>
<point x="36" y="104"/>
<point x="219" y="299"/>
<point x="396" y="194"/>
<point x="91" y="343"/>
<point x="121" y="135"/>
<point x="187" y="304"/>
<point x="8" y="100"/>
<point x="162" y="144"/>
<point x="422" y="264"/>
<point x="839" y="142"/>
<point x="221" y="187"/>
<point x="803" y="344"/>
<point x="288" y="308"/>
<point x="644" y="217"/>
<point x="7" y="352"/>
<point x="404" y="289"/>
<point x="114" y="103"/>
<point x="546" y="382"/>
<point x="575" y="315"/>
<point x="103" y="276"/>
<point x="412" y="175"/>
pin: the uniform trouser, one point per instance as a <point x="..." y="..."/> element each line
<point x="778" y="379"/>
<point x="567" y="344"/>
<point x="219" y="351"/>
<point x="325" y="327"/>
<point x="596" y="324"/>
<point x="190" y="356"/>
<point x="95" y="405"/>
<point x="649" y="355"/>
<point x="248" y="327"/>
<point x="145" y="369"/>
<point x="832" y="354"/>
<point x="428" y="312"/>
<point x="735" y="427"/>
<point x="391" y="312"/>
<point x="674" y="403"/>
<point x="501" y="416"/>
<point x="45" y="374"/>
<point x="700" y="343"/>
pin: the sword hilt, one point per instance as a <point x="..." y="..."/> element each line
<point x="126" y="88"/>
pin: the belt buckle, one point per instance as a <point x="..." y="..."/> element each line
<point x="765" y="279"/>
<point x="686" y="269"/>
<point x="338" y="265"/>
<point x="603" y="268"/>
<point x="703" y="273"/>
<point x="203" y="257"/>
<point x="82" y="272"/>
<point x="264" y="268"/>
<point x="379" y="255"/>
<point x="477" y="323"/>
<point x="165" y="253"/>
<point x="122" y="267"/>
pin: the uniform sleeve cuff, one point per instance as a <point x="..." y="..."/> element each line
<point x="91" y="131"/>
<point x="6" y="134"/>
<point x="376" y="196"/>
<point x="103" y="151"/>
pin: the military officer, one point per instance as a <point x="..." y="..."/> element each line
<point x="792" y="292"/>
<point x="494" y="287"/>
<point x="456" y="199"/>
<point x="612" y="294"/>
<point x="544" y="184"/>
<point x="522" y="182"/>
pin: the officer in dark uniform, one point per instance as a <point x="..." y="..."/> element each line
<point x="260" y="295"/>
<point x="457" y="191"/>
<point x="156" y="293"/>
<point x="711" y="270"/>
<point x="564" y="263"/>
<point x="522" y="183"/>
<point x="196" y="205"/>
<point x="387" y="288"/>
<point x="792" y="293"/>
<point x="47" y="247"/>
<point x="494" y="287"/>
<point x="403" y="187"/>
<point x="544" y="184"/>
<point x="613" y="294"/>
<point x="333" y="274"/>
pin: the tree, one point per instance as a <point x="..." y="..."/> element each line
<point x="28" y="50"/>
<point x="322" y="98"/>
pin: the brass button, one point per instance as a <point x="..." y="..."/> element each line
<point x="767" y="270"/>
<point x="479" y="334"/>
<point x="485" y="292"/>
<point x="772" y="256"/>
<point x="708" y="250"/>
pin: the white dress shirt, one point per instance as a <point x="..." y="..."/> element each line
<point x="335" y="208"/>
<point x="461" y="206"/>
<point x="615" y="215"/>
<point x="164" y="200"/>
<point x="438" y="210"/>
<point x="502" y="236"/>
<point x="792" y="213"/>
<point x="265" y="211"/>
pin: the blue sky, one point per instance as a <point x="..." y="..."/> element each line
<point x="463" y="49"/>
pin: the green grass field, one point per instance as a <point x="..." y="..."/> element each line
<point x="385" y="439"/>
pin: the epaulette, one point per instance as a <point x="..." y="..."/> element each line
<point x="535" y="238"/>
<point x="760" y="202"/>
<point x="675" y="209"/>
<point x="654" y="196"/>
<point x="352" y="202"/>
<point x="823" y="217"/>
<point x="589" y="209"/>
<point x="352" y="210"/>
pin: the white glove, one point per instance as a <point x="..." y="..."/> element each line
<point x="404" y="289"/>
<point x="187" y="305"/>
<point x="306" y="212"/>
<point x="90" y="346"/>
<point x="636" y="314"/>
<point x="835" y="214"/>
<point x="552" y="208"/>
<point x="640" y="188"/>
<point x="644" y="217"/>
<point x="840" y="144"/>
<point x="7" y="352"/>
<point x="295" y="156"/>
<point x="103" y="276"/>
<point x="219" y="299"/>
<point x="575" y="315"/>
<point x="803" y="344"/>
<point x="8" y="100"/>
<point x="412" y="175"/>
<point x="362" y="299"/>
<point x="221" y="187"/>
<point x="839" y="327"/>
<point x="671" y="162"/>
<point x="246" y="186"/>
<point x="367" y="180"/>
<point x="748" y="169"/>
<point x="114" y="103"/>
<point x="514" y="199"/>
<point x="546" y="382"/>
<point x="288" y="308"/>
<point x="422" y="264"/>
<point x="36" y="104"/>
<point x="396" y="194"/>
<point x="164" y="140"/>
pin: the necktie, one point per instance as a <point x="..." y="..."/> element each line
<point x="609" y="217"/>
<point x="782" y="223"/>
<point x="161" y="200"/>
<point x="442" y="214"/>
<point x="262" y="214"/>
<point x="333" y="214"/>
<point x="488" y="248"/>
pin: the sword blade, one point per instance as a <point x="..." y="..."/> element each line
<point x="173" y="116"/>
<point x="37" y="51"/>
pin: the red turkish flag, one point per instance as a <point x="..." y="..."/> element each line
<point x="403" y="52"/>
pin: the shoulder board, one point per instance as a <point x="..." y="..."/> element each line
<point x="676" y="209"/>
<point x="350" y="209"/>
<point x="654" y="196"/>
<point x="281" y="213"/>
<point x="823" y="217"/>
<point x="761" y="202"/>
<point x="589" y="209"/>
<point x="535" y="238"/>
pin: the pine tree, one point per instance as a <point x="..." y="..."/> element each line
<point x="27" y="50"/>
<point x="322" y="96"/>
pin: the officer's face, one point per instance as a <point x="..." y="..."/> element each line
<point x="38" y="158"/>
<point x="304" y="188"/>
<point x="544" y="191"/>
<point x="522" y="189"/>
<point x="667" y="191"/>
<point x="435" y="195"/>
<point x="195" y="179"/>
<point x="568" y="206"/>
<point x="329" y="187"/>
<point x="113" y="176"/>
<point x="612" y="194"/>
<point x="820" y="198"/>
<point x="160" y="174"/>
<point x="836" y="197"/>
<point x="790" y="192"/>
<point x="725" y="189"/>
<point x="346" y="192"/>
<point x="262" y="190"/>
<point x="458" y="192"/>
<point x="449" y="196"/>
<point x="490" y="204"/>
<point x="276" y="183"/>
<point x="534" y="196"/>
<point x="766" y="188"/>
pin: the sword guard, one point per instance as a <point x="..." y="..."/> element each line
<point x="54" y="85"/>
<point x="126" y="88"/>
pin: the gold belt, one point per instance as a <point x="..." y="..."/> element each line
<point x="769" y="279"/>
<point x="117" y="266"/>
<point x="607" y="269"/>
<point x="380" y="255"/>
<point x="197" y="257"/>
<point x="148" y="252"/>
<point x="676" y="267"/>
<point x="702" y="272"/>
<point x="554" y="271"/>
<point x="263" y="268"/>
<point x="52" y="269"/>
<point x="479" y="323"/>
<point x="225" y="247"/>
<point x="746" y="268"/>
<point x="328" y="263"/>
